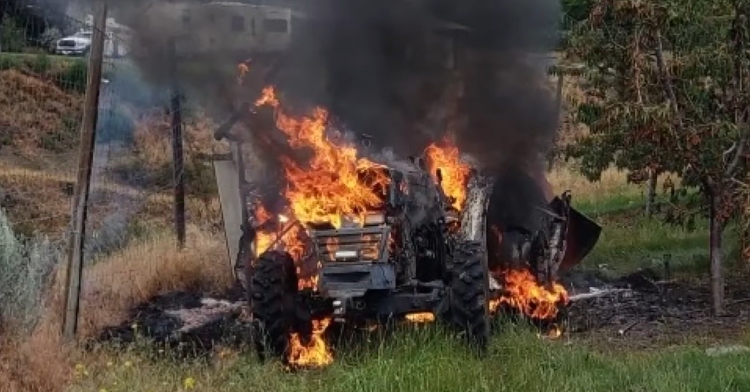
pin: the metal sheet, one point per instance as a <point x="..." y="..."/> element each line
<point x="227" y="180"/>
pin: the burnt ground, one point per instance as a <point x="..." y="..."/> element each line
<point x="642" y="311"/>
<point x="654" y="313"/>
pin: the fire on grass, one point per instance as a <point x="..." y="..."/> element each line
<point x="330" y="186"/>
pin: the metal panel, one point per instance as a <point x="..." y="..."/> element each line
<point x="355" y="278"/>
<point x="227" y="180"/>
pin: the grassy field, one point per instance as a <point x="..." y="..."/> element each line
<point x="426" y="360"/>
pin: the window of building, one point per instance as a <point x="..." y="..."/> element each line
<point x="276" y="25"/>
<point x="238" y="23"/>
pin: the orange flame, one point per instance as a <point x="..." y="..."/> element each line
<point x="455" y="172"/>
<point x="331" y="185"/>
<point x="421" y="317"/>
<point x="316" y="352"/>
<point x="525" y="294"/>
<point x="242" y="70"/>
<point x="334" y="184"/>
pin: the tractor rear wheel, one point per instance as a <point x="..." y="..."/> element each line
<point x="469" y="294"/>
<point x="272" y="290"/>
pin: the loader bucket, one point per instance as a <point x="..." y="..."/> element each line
<point x="580" y="239"/>
<point x="511" y="209"/>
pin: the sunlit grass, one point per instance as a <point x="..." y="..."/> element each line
<point x="610" y="193"/>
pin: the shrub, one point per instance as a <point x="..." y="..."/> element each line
<point x="25" y="269"/>
<point x="49" y="38"/>
<point x="41" y="64"/>
<point x="110" y="237"/>
<point x="73" y="78"/>
<point x="9" y="62"/>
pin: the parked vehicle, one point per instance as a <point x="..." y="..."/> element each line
<point x="77" y="44"/>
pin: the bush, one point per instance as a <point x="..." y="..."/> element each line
<point x="41" y="64"/>
<point x="110" y="237"/>
<point x="49" y="38"/>
<point x="73" y="78"/>
<point x="25" y="269"/>
<point x="9" y="62"/>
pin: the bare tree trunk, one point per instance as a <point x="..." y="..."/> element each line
<point x="716" y="229"/>
<point x="651" y="195"/>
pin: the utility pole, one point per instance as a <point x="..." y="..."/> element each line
<point x="177" y="151"/>
<point x="85" y="160"/>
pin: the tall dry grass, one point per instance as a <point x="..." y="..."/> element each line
<point x="151" y="267"/>
<point x="42" y="362"/>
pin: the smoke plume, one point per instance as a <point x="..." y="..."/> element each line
<point x="382" y="68"/>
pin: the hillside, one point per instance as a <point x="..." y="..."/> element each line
<point x="37" y="115"/>
<point x="38" y="140"/>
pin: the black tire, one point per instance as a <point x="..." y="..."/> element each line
<point x="469" y="295"/>
<point x="273" y="289"/>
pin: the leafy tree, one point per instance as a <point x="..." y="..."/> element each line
<point x="49" y="38"/>
<point x="577" y="10"/>
<point x="11" y="36"/>
<point x="670" y="95"/>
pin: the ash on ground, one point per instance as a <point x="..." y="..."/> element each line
<point x="187" y="320"/>
<point x="643" y="310"/>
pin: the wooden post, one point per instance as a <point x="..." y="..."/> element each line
<point x="74" y="274"/>
<point x="177" y="152"/>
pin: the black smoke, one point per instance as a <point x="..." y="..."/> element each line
<point x="404" y="72"/>
<point x="382" y="69"/>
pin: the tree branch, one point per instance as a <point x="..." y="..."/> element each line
<point x="666" y="79"/>
<point x="739" y="153"/>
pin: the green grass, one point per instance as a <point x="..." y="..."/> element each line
<point x="595" y="205"/>
<point x="428" y="361"/>
<point x="33" y="61"/>
<point x="52" y="65"/>
<point x="627" y="245"/>
<point x="629" y="239"/>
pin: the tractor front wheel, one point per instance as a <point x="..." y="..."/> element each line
<point x="272" y="290"/>
<point x="469" y="295"/>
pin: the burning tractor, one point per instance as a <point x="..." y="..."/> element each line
<point x="367" y="240"/>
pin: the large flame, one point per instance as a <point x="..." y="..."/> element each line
<point x="316" y="353"/>
<point x="330" y="186"/>
<point x="454" y="172"/>
<point x="525" y="294"/>
<point x="327" y="189"/>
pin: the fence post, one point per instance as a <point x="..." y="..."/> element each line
<point x="177" y="151"/>
<point x="81" y="192"/>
